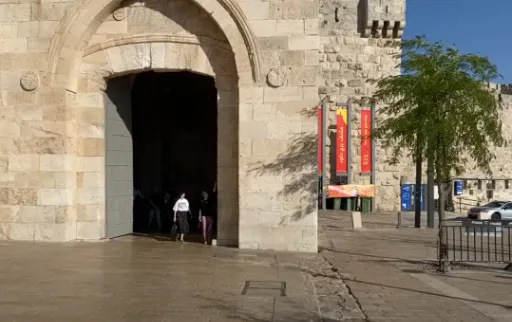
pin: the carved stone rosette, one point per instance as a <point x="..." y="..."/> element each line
<point x="119" y="14"/>
<point x="29" y="81"/>
<point x="276" y="77"/>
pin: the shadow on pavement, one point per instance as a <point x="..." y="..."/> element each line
<point x="383" y="259"/>
<point x="474" y="279"/>
<point x="509" y="307"/>
<point x="504" y="277"/>
<point x="166" y="237"/>
<point x="379" y="258"/>
<point x="407" y="241"/>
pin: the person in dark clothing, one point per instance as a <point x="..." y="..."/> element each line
<point x="157" y="197"/>
<point x="156" y="202"/>
<point x="144" y="208"/>
<point x="213" y="196"/>
<point x="167" y="209"/>
<point x="140" y="209"/>
<point x="206" y="217"/>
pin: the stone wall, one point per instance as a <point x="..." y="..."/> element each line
<point x="352" y="37"/>
<point x="477" y="184"/>
<point x="352" y="52"/>
<point x="35" y="146"/>
<point x="278" y="194"/>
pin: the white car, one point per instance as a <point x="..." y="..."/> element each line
<point x="495" y="210"/>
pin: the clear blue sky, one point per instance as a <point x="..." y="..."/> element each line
<point x="474" y="26"/>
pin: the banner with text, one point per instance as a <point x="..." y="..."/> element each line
<point x="341" y="141"/>
<point x="319" y="115"/>
<point x="366" y="142"/>
<point x="351" y="191"/>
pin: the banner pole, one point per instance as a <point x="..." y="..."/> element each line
<point x="374" y="170"/>
<point x="349" y="150"/>
<point x="324" y="152"/>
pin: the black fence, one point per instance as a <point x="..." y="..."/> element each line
<point x="462" y="204"/>
<point x="483" y="241"/>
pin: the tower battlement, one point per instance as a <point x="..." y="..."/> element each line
<point x="503" y="89"/>
<point x="384" y="18"/>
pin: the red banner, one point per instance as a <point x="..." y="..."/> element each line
<point x="341" y="141"/>
<point x="319" y="111"/>
<point x="366" y="142"/>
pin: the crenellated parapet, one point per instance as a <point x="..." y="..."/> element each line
<point x="383" y="18"/>
<point x="506" y="89"/>
<point x="503" y="89"/>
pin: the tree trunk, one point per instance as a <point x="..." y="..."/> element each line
<point x="417" y="192"/>
<point x="431" y="208"/>
<point x="444" y="189"/>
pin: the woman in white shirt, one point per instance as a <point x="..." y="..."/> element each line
<point x="181" y="209"/>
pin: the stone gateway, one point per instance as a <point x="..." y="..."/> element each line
<point x="66" y="150"/>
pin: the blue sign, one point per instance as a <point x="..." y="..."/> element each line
<point x="406" y="196"/>
<point x="458" y="187"/>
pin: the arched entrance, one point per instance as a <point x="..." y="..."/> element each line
<point x="160" y="139"/>
<point x="158" y="36"/>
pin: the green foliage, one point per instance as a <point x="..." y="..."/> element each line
<point x="439" y="107"/>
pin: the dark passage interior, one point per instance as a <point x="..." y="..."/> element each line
<point x="174" y="134"/>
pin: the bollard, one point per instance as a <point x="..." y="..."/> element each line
<point x="399" y="216"/>
<point x="444" y="266"/>
<point x="214" y="242"/>
<point x="357" y="222"/>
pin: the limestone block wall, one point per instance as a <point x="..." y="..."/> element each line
<point x="476" y="191"/>
<point x="37" y="172"/>
<point x="277" y="167"/>
<point x="501" y="167"/>
<point x="352" y="52"/>
<point x="477" y="182"/>
<point x="177" y="18"/>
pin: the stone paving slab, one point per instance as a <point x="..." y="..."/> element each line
<point x="140" y="279"/>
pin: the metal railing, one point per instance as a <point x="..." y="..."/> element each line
<point x="482" y="241"/>
<point x="463" y="204"/>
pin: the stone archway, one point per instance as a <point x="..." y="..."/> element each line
<point x="129" y="53"/>
<point x="85" y="17"/>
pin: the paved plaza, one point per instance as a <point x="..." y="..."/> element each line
<point x="142" y="279"/>
<point x="391" y="272"/>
